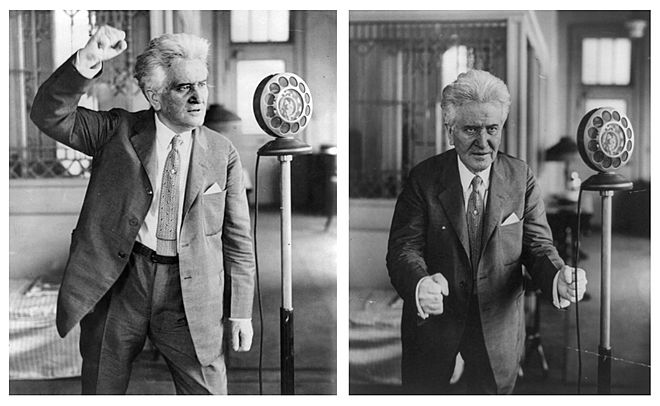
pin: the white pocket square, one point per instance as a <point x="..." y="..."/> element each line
<point x="215" y="188"/>
<point x="512" y="219"/>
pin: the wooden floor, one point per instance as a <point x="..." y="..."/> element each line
<point x="151" y="377"/>
<point x="315" y="321"/>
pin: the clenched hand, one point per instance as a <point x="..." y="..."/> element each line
<point x="566" y="284"/>
<point x="241" y="335"/>
<point x="431" y="293"/>
<point x="106" y="43"/>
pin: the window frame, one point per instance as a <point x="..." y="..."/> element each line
<point x="290" y="41"/>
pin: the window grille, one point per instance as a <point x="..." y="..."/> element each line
<point x="32" y="60"/>
<point x="397" y="71"/>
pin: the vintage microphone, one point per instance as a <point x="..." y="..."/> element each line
<point x="605" y="141"/>
<point x="282" y="105"/>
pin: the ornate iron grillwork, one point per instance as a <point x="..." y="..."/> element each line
<point x="118" y="72"/>
<point x="32" y="154"/>
<point x="396" y="80"/>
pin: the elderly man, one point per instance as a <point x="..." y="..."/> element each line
<point x="163" y="238"/>
<point x="464" y="224"/>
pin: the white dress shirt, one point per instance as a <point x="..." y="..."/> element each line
<point x="147" y="233"/>
<point x="466" y="183"/>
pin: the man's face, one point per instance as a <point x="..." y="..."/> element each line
<point x="182" y="102"/>
<point x="476" y="134"/>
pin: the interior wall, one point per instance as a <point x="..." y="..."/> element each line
<point x="320" y="70"/>
<point x="42" y="215"/>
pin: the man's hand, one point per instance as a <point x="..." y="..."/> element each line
<point x="431" y="292"/>
<point x="106" y="43"/>
<point x="241" y="335"/>
<point x="566" y="285"/>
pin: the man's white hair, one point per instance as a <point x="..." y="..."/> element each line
<point x="474" y="86"/>
<point x="152" y="65"/>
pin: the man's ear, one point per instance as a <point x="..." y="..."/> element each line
<point x="450" y="134"/>
<point x="153" y="98"/>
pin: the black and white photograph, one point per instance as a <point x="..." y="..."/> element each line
<point x="172" y="202"/>
<point x="342" y="202"/>
<point x="499" y="202"/>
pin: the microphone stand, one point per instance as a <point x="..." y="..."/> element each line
<point x="284" y="149"/>
<point x="606" y="184"/>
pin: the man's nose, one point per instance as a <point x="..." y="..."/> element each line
<point x="195" y="95"/>
<point x="482" y="138"/>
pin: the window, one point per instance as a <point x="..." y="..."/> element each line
<point x="260" y="26"/>
<point x="606" y="61"/>
<point x="397" y="71"/>
<point x="454" y="62"/>
<point x="41" y="40"/>
<point x="70" y="32"/>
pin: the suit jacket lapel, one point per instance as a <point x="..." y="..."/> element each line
<point x="498" y="199"/>
<point x="199" y="166"/>
<point x="451" y="198"/>
<point x="143" y="140"/>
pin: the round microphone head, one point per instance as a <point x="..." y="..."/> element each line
<point x="282" y="104"/>
<point x="605" y="139"/>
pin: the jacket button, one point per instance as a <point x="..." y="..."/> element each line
<point x="462" y="284"/>
<point x="150" y="192"/>
<point x="122" y="255"/>
<point x="133" y="222"/>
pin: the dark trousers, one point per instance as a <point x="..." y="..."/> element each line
<point x="145" y="302"/>
<point x="478" y="373"/>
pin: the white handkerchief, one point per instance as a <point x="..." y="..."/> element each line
<point x="512" y="219"/>
<point x="215" y="188"/>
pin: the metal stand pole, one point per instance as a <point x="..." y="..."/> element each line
<point x="606" y="184"/>
<point x="286" y="311"/>
<point x="604" y="348"/>
<point x="284" y="149"/>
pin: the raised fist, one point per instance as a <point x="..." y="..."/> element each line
<point x="106" y="43"/>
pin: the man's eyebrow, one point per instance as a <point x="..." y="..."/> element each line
<point x="188" y="83"/>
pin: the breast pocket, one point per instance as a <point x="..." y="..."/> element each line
<point x="511" y="242"/>
<point x="214" y="212"/>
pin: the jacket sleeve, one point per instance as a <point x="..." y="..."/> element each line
<point x="407" y="241"/>
<point x="539" y="255"/>
<point x="237" y="248"/>
<point x="55" y="111"/>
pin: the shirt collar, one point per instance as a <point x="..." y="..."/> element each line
<point x="466" y="176"/>
<point x="164" y="134"/>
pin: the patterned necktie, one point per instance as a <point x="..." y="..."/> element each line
<point x="474" y="219"/>
<point x="168" y="209"/>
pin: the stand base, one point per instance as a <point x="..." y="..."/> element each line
<point x="286" y="352"/>
<point x="607" y="181"/>
<point x="604" y="370"/>
<point x="284" y="146"/>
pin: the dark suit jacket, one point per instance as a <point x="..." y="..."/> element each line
<point x="429" y="235"/>
<point x="215" y="242"/>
